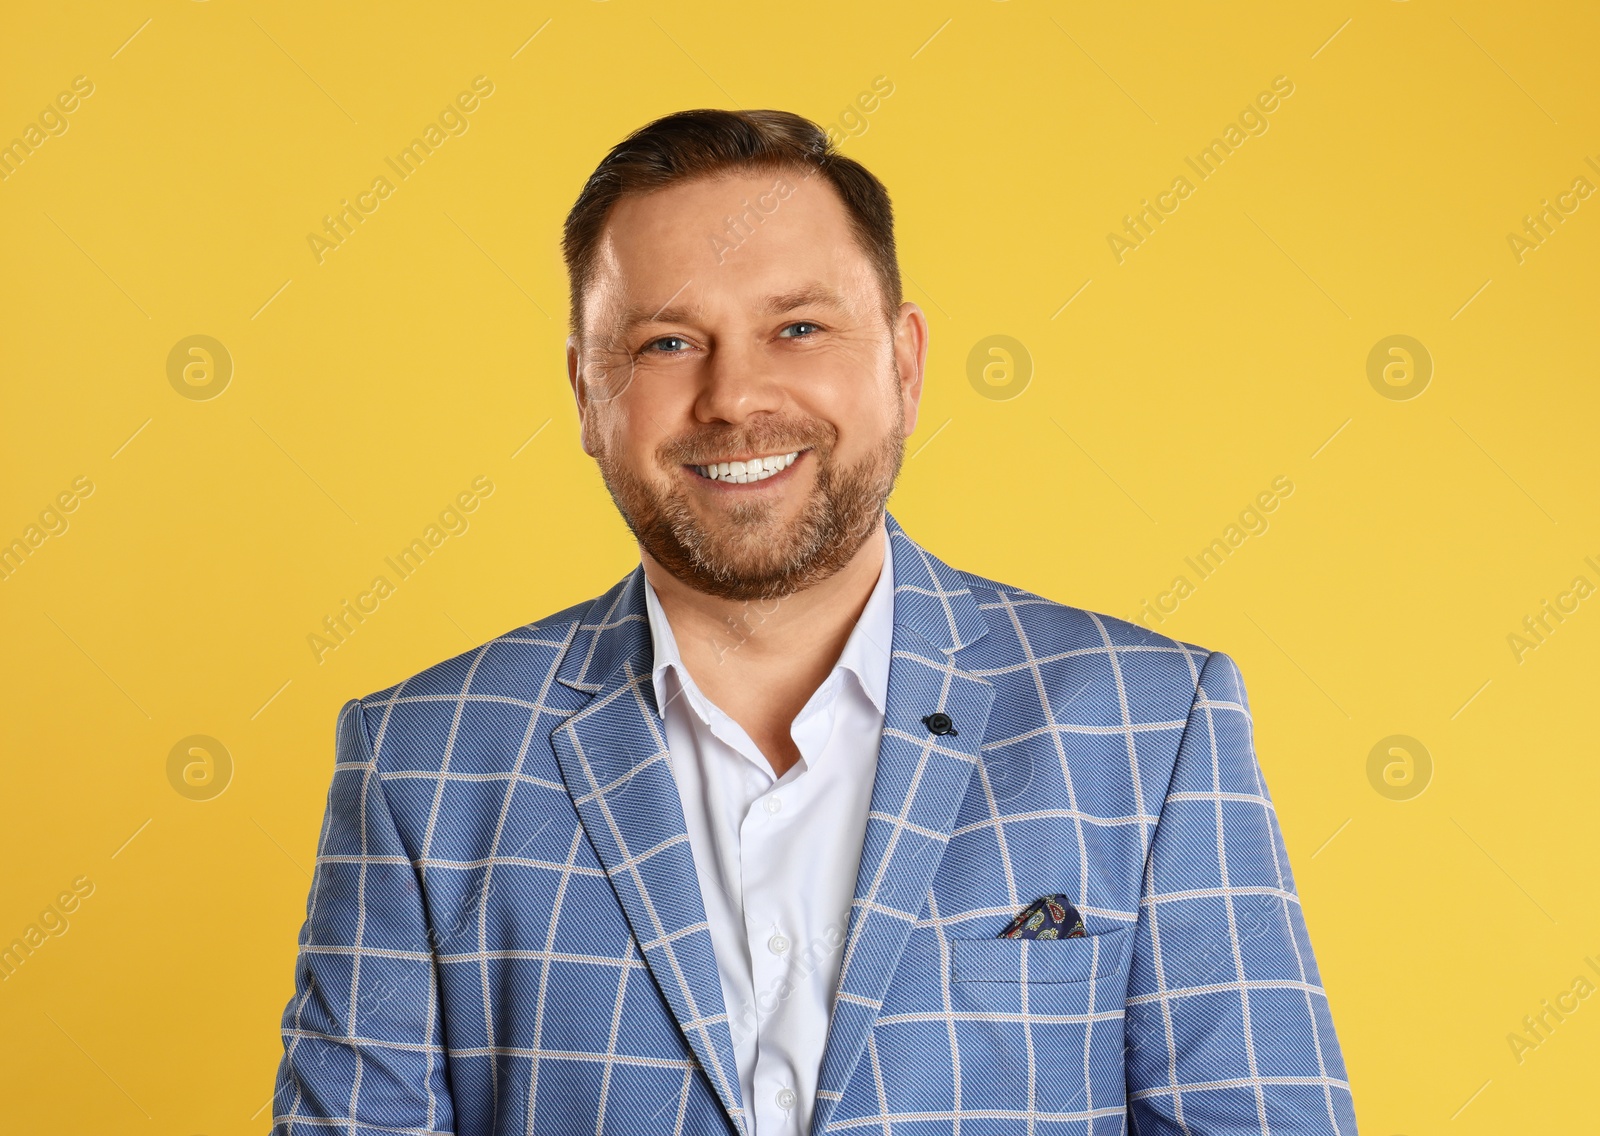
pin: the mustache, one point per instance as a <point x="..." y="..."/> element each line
<point x="774" y="435"/>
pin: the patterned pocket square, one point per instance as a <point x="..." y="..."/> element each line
<point x="1050" y="917"/>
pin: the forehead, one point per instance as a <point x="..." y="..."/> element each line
<point x="724" y="243"/>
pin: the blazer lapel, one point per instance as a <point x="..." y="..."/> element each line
<point x="613" y="757"/>
<point x="920" y="782"/>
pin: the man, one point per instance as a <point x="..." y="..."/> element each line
<point x="796" y="828"/>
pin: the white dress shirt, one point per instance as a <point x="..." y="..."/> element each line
<point x="777" y="856"/>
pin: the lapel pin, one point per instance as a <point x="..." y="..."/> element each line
<point x="939" y="723"/>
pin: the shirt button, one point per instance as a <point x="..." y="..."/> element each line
<point x="786" y="1099"/>
<point x="773" y="804"/>
<point x="777" y="945"/>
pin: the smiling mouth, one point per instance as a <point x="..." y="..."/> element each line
<point x="745" y="472"/>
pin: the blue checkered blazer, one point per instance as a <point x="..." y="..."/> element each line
<point x="505" y="933"/>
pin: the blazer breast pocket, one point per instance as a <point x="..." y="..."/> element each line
<point x="1043" y="1020"/>
<point x="1016" y="961"/>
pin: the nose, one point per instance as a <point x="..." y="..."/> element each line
<point x="736" y="384"/>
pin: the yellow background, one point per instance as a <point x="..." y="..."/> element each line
<point x="373" y="387"/>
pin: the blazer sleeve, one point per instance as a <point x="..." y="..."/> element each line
<point x="1228" y="1028"/>
<point x="363" y="1047"/>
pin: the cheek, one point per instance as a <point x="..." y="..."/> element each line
<point x="863" y="411"/>
<point x="655" y="402"/>
<point x="601" y="434"/>
<point x="632" y="428"/>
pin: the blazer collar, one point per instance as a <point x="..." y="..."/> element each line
<point x="613" y="757"/>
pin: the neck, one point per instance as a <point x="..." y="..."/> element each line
<point x="759" y="661"/>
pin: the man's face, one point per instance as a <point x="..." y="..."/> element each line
<point x="765" y="343"/>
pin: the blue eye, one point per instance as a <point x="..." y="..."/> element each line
<point x="801" y="323"/>
<point x="653" y="344"/>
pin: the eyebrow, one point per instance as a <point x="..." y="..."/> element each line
<point x="813" y="294"/>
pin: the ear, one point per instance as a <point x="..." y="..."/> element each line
<point x="911" y="356"/>
<point x="580" y="392"/>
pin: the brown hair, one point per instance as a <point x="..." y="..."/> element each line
<point x="706" y="143"/>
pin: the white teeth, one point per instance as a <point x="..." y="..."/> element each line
<point x="744" y="472"/>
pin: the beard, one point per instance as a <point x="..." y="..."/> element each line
<point x="750" y="552"/>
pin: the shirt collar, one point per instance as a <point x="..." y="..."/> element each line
<point x="865" y="654"/>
